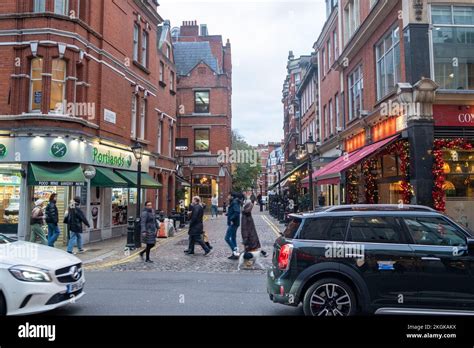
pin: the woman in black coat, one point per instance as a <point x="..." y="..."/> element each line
<point x="196" y="228"/>
<point x="148" y="229"/>
<point x="249" y="232"/>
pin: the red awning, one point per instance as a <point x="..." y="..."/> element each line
<point x="331" y="174"/>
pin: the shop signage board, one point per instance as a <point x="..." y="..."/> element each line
<point x="453" y="115"/>
<point x="110" y="116"/>
<point x="52" y="149"/>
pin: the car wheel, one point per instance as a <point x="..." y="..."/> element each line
<point x="329" y="297"/>
<point x="3" y="305"/>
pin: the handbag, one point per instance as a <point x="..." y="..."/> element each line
<point x="205" y="237"/>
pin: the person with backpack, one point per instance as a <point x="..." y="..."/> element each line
<point x="74" y="219"/>
<point x="51" y="212"/>
<point x="37" y="222"/>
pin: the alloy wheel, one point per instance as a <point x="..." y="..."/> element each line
<point x="330" y="299"/>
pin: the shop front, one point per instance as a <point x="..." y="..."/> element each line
<point x="101" y="175"/>
<point x="453" y="172"/>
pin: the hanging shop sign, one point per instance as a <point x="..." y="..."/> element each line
<point x="3" y="150"/>
<point x="453" y="115"/>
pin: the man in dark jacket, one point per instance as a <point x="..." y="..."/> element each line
<point x="51" y="212"/>
<point x="233" y="223"/>
<point x="196" y="228"/>
<point x="74" y="220"/>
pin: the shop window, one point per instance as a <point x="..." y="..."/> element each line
<point x="58" y="86"/>
<point x="36" y="85"/>
<point x="10" y="180"/>
<point x="434" y="231"/>
<point x="119" y="206"/>
<point x="61" y="7"/>
<point x="201" y="140"/>
<point x="459" y="171"/>
<point x="453" y="44"/>
<point x="389" y="166"/>
<point x="388" y="62"/>
<point x="39" y="6"/>
<point x="377" y="229"/>
<point x="356" y="86"/>
<point x="201" y="102"/>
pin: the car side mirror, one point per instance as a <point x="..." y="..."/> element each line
<point x="470" y="246"/>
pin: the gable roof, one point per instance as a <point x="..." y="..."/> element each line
<point x="188" y="55"/>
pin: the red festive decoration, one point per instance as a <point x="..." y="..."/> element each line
<point x="439" y="176"/>
<point x="352" y="186"/>
<point x="368" y="168"/>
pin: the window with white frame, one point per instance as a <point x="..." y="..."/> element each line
<point x="326" y="123"/>
<point x="351" y="19"/>
<point x="133" y="128"/>
<point x="329" y="54"/>
<point x="336" y="111"/>
<point x="160" y="137"/>
<point x="142" y="118"/>
<point x="36" y="85"/>
<point x="335" y="44"/>
<point x="136" y="33"/>
<point x="39" y="6"/>
<point x="144" y="49"/>
<point x="356" y="87"/>
<point x="61" y="7"/>
<point x="453" y="46"/>
<point x="388" y="62"/>
<point x="323" y="60"/>
<point x="331" y="118"/>
<point x="170" y="141"/>
<point x="58" y="86"/>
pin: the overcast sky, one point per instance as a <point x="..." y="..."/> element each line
<point x="261" y="33"/>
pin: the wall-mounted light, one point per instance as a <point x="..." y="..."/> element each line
<point x="62" y="49"/>
<point x="34" y="48"/>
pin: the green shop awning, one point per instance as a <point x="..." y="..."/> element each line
<point x="287" y="175"/>
<point x="146" y="180"/>
<point x="55" y="174"/>
<point x="105" y="177"/>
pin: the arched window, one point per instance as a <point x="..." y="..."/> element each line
<point x="58" y="86"/>
<point x="36" y="85"/>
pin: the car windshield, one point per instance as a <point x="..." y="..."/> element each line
<point x="5" y="240"/>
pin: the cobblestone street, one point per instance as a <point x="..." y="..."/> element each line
<point x="170" y="256"/>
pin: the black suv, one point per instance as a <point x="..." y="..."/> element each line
<point x="381" y="259"/>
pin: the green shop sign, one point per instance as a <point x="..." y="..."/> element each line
<point x="3" y="151"/>
<point x="58" y="149"/>
<point x="107" y="158"/>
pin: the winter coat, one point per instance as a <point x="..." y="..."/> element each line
<point x="51" y="213"/>
<point x="196" y="226"/>
<point x="249" y="232"/>
<point x="233" y="213"/>
<point x="37" y="215"/>
<point x="75" y="218"/>
<point x="148" y="226"/>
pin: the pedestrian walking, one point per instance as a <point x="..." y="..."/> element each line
<point x="214" y="206"/>
<point x="74" y="219"/>
<point x="233" y="223"/>
<point x="51" y="212"/>
<point x="148" y="229"/>
<point x="260" y="201"/>
<point x="37" y="223"/>
<point x="196" y="228"/>
<point x="250" y="238"/>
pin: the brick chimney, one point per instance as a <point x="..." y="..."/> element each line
<point x="189" y="28"/>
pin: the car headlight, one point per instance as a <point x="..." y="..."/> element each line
<point x="30" y="274"/>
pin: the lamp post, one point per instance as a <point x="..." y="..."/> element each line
<point x="191" y="168"/>
<point x="310" y="146"/>
<point x="138" y="153"/>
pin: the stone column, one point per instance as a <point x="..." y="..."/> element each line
<point x="417" y="102"/>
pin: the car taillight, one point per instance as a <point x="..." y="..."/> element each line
<point x="284" y="257"/>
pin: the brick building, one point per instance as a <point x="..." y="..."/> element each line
<point x="264" y="151"/>
<point x="80" y="84"/>
<point x="404" y="72"/>
<point x="204" y="68"/>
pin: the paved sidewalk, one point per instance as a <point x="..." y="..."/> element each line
<point x="170" y="256"/>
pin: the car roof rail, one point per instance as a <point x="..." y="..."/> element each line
<point x="380" y="207"/>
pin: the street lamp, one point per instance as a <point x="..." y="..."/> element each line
<point x="137" y="150"/>
<point x="310" y="146"/>
<point x="191" y="168"/>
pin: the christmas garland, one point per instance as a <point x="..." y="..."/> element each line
<point x="439" y="178"/>
<point x="370" y="180"/>
<point x="352" y="186"/>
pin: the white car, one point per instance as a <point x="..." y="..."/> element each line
<point x="36" y="278"/>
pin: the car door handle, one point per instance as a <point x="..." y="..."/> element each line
<point x="431" y="258"/>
